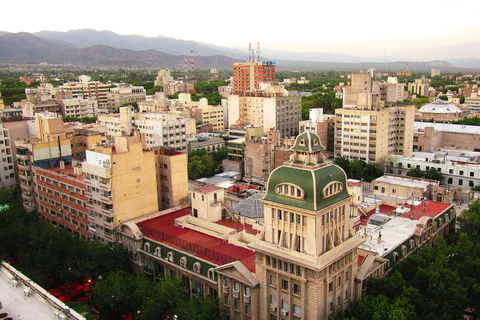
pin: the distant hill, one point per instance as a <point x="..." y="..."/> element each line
<point x="88" y="37"/>
<point x="28" y="48"/>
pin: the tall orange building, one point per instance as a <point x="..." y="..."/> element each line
<point x="247" y="76"/>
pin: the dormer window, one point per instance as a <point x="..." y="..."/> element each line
<point x="332" y="188"/>
<point x="290" y="190"/>
<point x="302" y="142"/>
<point x="315" y="142"/>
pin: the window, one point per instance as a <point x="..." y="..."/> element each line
<point x="273" y="300"/>
<point x="297" y="310"/>
<point x="330" y="287"/>
<point x="285" y="305"/>
<point x="284" y="284"/>
<point x="247" y="291"/>
<point x="297" y="289"/>
<point x="196" y="267"/>
<point x="170" y="256"/>
<point x="472" y="174"/>
<point x="461" y="172"/>
<point x="330" y="307"/>
<point x="273" y="279"/>
<point x="332" y="188"/>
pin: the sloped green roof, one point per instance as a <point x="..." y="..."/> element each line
<point x="308" y="142"/>
<point x="312" y="181"/>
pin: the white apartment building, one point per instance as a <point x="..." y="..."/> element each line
<point x="166" y="130"/>
<point x="7" y="168"/>
<point x="125" y="94"/>
<point x="459" y="167"/>
<point x="370" y="135"/>
<point x="268" y="110"/>
<point x="78" y="107"/>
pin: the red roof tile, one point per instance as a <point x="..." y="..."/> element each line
<point x="217" y="251"/>
<point x="207" y="189"/>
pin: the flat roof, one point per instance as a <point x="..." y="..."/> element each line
<point x="68" y="171"/>
<point x="432" y="209"/>
<point x="446" y="127"/>
<point x="207" y="189"/>
<point x="39" y="305"/>
<point x="406" y="182"/>
<point x="393" y="232"/>
<point x="210" y="248"/>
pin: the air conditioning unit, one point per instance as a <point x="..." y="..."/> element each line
<point x="273" y="309"/>
<point x="284" y="312"/>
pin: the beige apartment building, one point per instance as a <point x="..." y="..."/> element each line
<point x="265" y="109"/>
<point x="120" y="185"/>
<point x="212" y="115"/>
<point x="371" y="135"/>
<point x="172" y="178"/>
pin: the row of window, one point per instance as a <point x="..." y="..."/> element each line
<point x="283" y="265"/>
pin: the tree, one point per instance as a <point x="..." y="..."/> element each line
<point x="434" y="174"/>
<point x="356" y="169"/>
<point x="343" y="163"/>
<point x="470" y="219"/>
<point x="416" y="172"/>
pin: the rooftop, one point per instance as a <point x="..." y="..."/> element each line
<point x="406" y="182"/>
<point x="217" y="251"/>
<point x="23" y="299"/>
<point x="207" y="189"/>
<point x="446" y="127"/>
<point x="68" y="171"/>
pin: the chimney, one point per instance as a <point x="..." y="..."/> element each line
<point x="62" y="164"/>
<point x="379" y="236"/>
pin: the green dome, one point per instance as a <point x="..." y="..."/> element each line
<point x="308" y="142"/>
<point x="307" y="188"/>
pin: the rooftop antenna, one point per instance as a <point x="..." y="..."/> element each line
<point x="258" y="51"/>
<point x="124" y="60"/>
<point x="406" y="75"/>
<point x="249" y="52"/>
<point x="186" y="68"/>
<point x="192" y="66"/>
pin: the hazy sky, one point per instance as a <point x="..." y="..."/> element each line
<point x="366" y="28"/>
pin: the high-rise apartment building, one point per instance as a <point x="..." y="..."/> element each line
<point x="50" y="149"/>
<point x="120" y="185"/>
<point x="247" y="76"/>
<point x="172" y="178"/>
<point x="267" y="110"/>
<point x="7" y="163"/>
<point x="370" y="135"/>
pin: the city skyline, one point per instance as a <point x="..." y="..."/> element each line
<point x="410" y="30"/>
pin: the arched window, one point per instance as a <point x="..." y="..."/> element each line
<point x="289" y="190"/>
<point x="332" y="188"/>
<point x="211" y="273"/>
<point x="157" y="252"/>
<point x="146" y="247"/>
<point x="183" y="262"/>
<point x="196" y="267"/>
<point x="170" y="256"/>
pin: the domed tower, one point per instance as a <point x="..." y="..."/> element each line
<point x="308" y="247"/>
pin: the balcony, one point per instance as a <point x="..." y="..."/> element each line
<point x="28" y="196"/>
<point x="246" y="298"/>
<point x="109" y="225"/>
<point x="106" y="199"/>
<point x="108" y="212"/>
<point x="23" y="166"/>
<point x="25" y="177"/>
<point x="22" y="157"/>
<point x="26" y="187"/>
<point x="225" y="289"/>
<point x="236" y="294"/>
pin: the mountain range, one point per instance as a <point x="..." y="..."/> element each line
<point x="91" y="48"/>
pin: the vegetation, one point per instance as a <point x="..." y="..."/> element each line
<point x="209" y="90"/>
<point x="201" y="164"/>
<point x="123" y="293"/>
<point x="360" y="170"/>
<point x="83" y="120"/>
<point x="325" y="99"/>
<point x="439" y="283"/>
<point x="52" y="257"/>
<point x="432" y="174"/>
